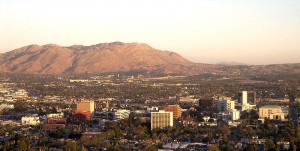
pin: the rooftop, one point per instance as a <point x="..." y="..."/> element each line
<point x="270" y="106"/>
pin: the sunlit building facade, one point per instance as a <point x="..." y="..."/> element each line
<point x="176" y="109"/>
<point x="87" y="105"/>
<point x="161" y="119"/>
<point x="272" y="112"/>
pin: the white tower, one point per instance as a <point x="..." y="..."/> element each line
<point x="244" y="98"/>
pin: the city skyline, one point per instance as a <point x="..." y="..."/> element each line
<point x="256" y="32"/>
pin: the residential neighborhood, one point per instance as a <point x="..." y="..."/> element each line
<point x="243" y="121"/>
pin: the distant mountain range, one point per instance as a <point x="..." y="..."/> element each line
<point x="117" y="57"/>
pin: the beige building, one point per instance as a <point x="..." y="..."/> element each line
<point x="86" y="105"/>
<point x="161" y="119"/>
<point x="272" y="112"/>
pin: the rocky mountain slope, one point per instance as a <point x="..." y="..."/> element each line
<point x="100" y="58"/>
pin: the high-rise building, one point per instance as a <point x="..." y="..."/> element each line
<point x="251" y="97"/>
<point x="161" y="119"/>
<point x="234" y="114"/>
<point x="225" y="105"/>
<point x="176" y="109"/>
<point x="87" y="105"/>
<point x="207" y="104"/>
<point x="247" y="97"/>
<point x="243" y="97"/>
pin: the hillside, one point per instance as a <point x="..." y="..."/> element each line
<point x="122" y="57"/>
<point x="100" y="58"/>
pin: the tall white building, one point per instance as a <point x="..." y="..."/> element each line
<point x="247" y="97"/>
<point x="232" y="105"/>
<point x="161" y="119"/>
<point x="234" y="114"/>
<point x="244" y="97"/>
<point x="246" y="100"/>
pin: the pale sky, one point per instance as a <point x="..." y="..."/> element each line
<point x="204" y="31"/>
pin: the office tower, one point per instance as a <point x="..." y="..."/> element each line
<point x="246" y="97"/>
<point x="243" y="97"/>
<point x="161" y="119"/>
<point x="251" y="96"/>
<point x="86" y="105"/>
<point x="225" y="105"/>
<point x="176" y="109"/>
<point x="207" y="104"/>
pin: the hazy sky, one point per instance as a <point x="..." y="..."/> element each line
<point x="208" y="31"/>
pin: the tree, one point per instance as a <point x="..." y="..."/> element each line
<point x="152" y="148"/>
<point x="19" y="106"/>
<point x="270" y="144"/>
<point x="70" y="146"/>
<point x="292" y="146"/>
<point x="22" y="146"/>
<point x="250" y="148"/>
<point x="59" y="133"/>
<point x="224" y="130"/>
<point x="213" y="147"/>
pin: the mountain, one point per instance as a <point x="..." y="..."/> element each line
<point x="100" y="58"/>
<point x="123" y="57"/>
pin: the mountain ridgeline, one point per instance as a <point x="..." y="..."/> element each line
<point x="119" y="57"/>
<point x="100" y="58"/>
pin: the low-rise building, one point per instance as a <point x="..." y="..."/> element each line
<point x="30" y="120"/>
<point x="152" y="109"/>
<point x="55" y="115"/>
<point x="121" y="114"/>
<point x="57" y="121"/>
<point x="273" y="112"/>
<point x="81" y="116"/>
<point x="6" y="106"/>
<point x="21" y="93"/>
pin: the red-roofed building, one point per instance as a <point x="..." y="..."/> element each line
<point x="81" y="116"/>
<point x="57" y="121"/>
